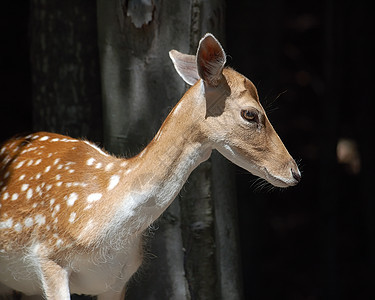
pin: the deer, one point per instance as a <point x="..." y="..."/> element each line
<point x="72" y="215"/>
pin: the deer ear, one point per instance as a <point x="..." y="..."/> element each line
<point x="211" y="59"/>
<point x="185" y="65"/>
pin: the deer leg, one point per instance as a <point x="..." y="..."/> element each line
<point x="55" y="281"/>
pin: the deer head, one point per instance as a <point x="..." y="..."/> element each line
<point x="235" y="122"/>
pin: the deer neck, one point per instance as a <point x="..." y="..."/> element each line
<point x="161" y="169"/>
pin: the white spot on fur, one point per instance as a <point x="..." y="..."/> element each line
<point x="47" y="169"/>
<point x="16" y="149"/>
<point x="19" y="165"/>
<point x="98" y="165"/>
<point x="71" y="199"/>
<point x="68" y="140"/>
<point x="58" y="177"/>
<point x="29" y="194"/>
<point x="18" y="227"/>
<point x="5" y="196"/>
<point x="24" y="187"/>
<point x="44" y="138"/>
<point x="14" y="196"/>
<point x="90" y="161"/>
<point x="108" y="167"/>
<point x="38" y="162"/>
<point x="113" y="182"/>
<point x="29" y="222"/>
<point x="94" y="197"/>
<point x="57" y="207"/>
<point x="40" y="219"/>
<point x="59" y="243"/>
<point x="6" y="224"/>
<point x="22" y="177"/>
<point x="128" y="171"/>
<point x="72" y="217"/>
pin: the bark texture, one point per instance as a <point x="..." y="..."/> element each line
<point x="192" y="250"/>
<point x="65" y="68"/>
<point x="140" y="86"/>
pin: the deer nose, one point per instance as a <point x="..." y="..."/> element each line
<point x="296" y="175"/>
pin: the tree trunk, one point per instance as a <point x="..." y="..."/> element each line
<point x="193" y="253"/>
<point x="65" y="68"/>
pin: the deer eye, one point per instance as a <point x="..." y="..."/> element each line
<point x="249" y="115"/>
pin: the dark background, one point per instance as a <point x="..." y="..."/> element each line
<point x="312" y="62"/>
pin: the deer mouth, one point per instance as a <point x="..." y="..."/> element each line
<point x="282" y="182"/>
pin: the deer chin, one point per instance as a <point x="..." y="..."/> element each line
<point x="275" y="180"/>
<point x="260" y="171"/>
<point x="278" y="181"/>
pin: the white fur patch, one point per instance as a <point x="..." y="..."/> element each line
<point x="90" y="161"/>
<point x="29" y="193"/>
<point x="71" y="199"/>
<point x="94" y="197"/>
<point x="72" y="217"/>
<point x="6" y="224"/>
<point x="29" y="222"/>
<point x="40" y="219"/>
<point x="115" y="179"/>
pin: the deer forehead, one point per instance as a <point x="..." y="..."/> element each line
<point x="242" y="90"/>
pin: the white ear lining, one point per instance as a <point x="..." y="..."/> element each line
<point x="185" y="66"/>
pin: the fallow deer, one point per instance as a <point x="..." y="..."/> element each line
<point x="71" y="215"/>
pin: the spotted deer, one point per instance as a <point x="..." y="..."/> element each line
<point x="72" y="215"/>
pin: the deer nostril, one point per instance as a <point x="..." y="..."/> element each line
<point x="296" y="176"/>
